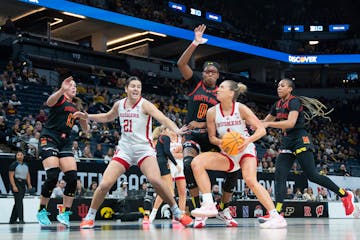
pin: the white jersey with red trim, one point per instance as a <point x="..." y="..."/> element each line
<point x="232" y="122"/>
<point x="136" y="126"/>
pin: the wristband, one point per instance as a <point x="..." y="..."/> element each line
<point x="195" y="43"/>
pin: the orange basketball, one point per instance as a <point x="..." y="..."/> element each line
<point x="231" y="142"/>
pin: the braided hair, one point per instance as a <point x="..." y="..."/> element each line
<point x="312" y="107"/>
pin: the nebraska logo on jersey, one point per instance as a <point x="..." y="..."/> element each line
<point x="229" y="123"/>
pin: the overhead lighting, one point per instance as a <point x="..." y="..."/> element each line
<point x="122" y="39"/>
<point x="27" y="14"/>
<point x="129" y="44"/>
<point x="74" y="15"/>
<point x="57" y="21"/>
<point x="134" y="35"/>
<point x="157" y="34"/>
<point x="313" y="42"/>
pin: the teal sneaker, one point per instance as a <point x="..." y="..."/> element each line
<point x="43" y="218"/>
<point x="64" y="218"/>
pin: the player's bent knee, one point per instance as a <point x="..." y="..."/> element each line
<point x="52" y="176"/>
<point x="70" y="177"/>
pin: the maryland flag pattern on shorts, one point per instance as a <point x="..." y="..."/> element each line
<point x="306" y="139"/>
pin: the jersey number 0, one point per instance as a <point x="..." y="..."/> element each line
<point x="202" y="111"/>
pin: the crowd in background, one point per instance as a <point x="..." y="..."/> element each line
<point x="336" y="142"/>
<point x="259" y="23"/>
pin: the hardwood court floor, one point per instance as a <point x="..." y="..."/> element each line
<point x="298" y="228"/>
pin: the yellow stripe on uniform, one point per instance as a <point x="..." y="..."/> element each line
<point x="193" y="202"/>
<point x="300" y="150"/>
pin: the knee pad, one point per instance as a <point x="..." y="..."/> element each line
<point x="52" y="176"/>
<point x="230" y="181"/>
<point x="189" y="176"/>
<point x="70" y="177"/>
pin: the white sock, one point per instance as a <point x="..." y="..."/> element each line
<point x="91" y="214"/>
<point x="207" y="198"/>
<point x="153" y="211"/>
<point x="273" y="213"/>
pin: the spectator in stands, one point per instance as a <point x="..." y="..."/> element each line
<point x="3" y="130"/>
<point x="296" y="144"/>
<point x="76" y="151"/>
<point x="324" y="170"/>
<point x="298" y="194"/>
<point x="33" y="144"/>
<point x="14" y="100"/>
<point x="19" y="177"/>
<point x="10" y="67"/>
<point x="11" y="111"/>
<point x="271" y="168"/>
<point x="322" y="194"/>
<point x="308" y="194"/>
<point x="116" y="138"/>
<point x="58" y="191"/>
<point x="80" y="190"/>
<point x="87" y="151"/>
<point x="265" y="166"/>
<point x="216" y="193"/>
<point x="27" y="125"/>
<point x="289" y="193"/>
<point x="41" y="116"/>
<point x="38" y="126"/>
<point x="246" y="193"/>
<point x="357" y="195"/>
<point x="295" y="168"/>
<point x="2" y="110"/>
<point x="123" y="190"/>
<point x="98" y="153"/>
<point x="9" y="82"/>
<point x="106" y="137"/>
<point x="109" y="155"/>
<point x="271" y="193"/>
<point x="91" y="190"/>
<point x="343" y="171"/>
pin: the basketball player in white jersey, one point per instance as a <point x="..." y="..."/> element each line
<point x="134" y="148"/>
<point x="229" y="115"/>
<point x="177" y="172"/>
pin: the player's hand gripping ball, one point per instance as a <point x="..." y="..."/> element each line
<point x="231" y="142"/>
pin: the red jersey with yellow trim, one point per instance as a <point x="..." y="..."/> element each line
<point x="200" y="100"/>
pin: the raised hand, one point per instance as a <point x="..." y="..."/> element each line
<point x="199" y="31"/>
<point x="66" y="84"/>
